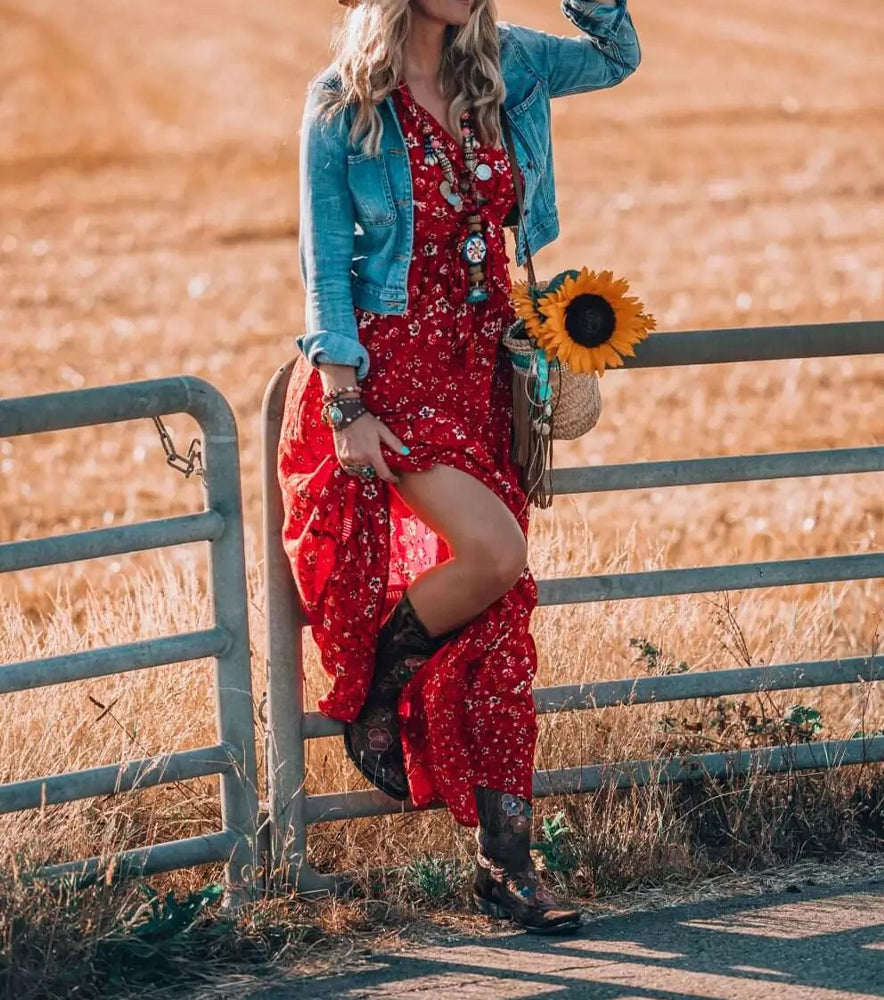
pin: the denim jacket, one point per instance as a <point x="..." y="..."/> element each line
<point x="356" y="210"/>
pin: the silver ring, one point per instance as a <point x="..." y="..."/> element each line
<point x="363" y="471"/>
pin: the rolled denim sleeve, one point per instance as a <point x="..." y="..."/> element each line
<point x="607" y="52"/>
<point x="326" y="238"/>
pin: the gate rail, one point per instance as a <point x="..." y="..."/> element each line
<point x="292" y="810"/>
<point x="233" y="756"/>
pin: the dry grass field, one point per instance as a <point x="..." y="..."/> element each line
<point x="148" y="227"/>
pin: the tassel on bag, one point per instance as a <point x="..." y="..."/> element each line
<point x="549" y="401"/>
<point x="533" y="406"/>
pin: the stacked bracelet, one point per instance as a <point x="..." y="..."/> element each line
<point x="334" y="393"/>
<point x="340" y="412"/>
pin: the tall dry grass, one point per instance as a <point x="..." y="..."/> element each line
<point x="414" y="866"/>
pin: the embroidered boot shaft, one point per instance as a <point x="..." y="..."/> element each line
<point x="372" y="742"/>
<point x="506" y="883"/>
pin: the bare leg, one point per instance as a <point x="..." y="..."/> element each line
<point x="489" y="553"/>
<point x="489" y="550"/>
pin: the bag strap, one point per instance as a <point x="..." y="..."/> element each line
<point x="520" y="198"/>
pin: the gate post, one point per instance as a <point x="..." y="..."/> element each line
<point x="284" y="618"/>
<point x="233" y="675"/>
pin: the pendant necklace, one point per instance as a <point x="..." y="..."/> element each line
<point x="475" y="248"/>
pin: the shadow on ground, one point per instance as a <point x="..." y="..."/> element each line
<point x="826" y="943"/>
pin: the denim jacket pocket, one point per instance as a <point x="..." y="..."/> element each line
<point x="370" y="187"/>
<point x="531" y="119"/>
<point x="531" y="130"/>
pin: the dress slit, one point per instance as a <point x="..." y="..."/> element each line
<point x="439" y="378"/>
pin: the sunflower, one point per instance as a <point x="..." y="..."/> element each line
<point x="524" y="299"/>
<point x="585" y="319"/>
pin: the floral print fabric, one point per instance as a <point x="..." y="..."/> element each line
<point x="439" y="378"/>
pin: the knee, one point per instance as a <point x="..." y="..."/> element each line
<point x="499" y="564"/>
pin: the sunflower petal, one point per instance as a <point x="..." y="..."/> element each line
<point x="624" y="349"/>
<point x="610" y="355"/>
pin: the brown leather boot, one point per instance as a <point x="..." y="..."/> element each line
<point x="506" y="884"/>
<point x="372" y="742"/>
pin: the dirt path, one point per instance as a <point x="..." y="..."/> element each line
<point x="813" y="945"/>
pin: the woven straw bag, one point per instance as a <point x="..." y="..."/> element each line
<point x="576" y="396"/>
<point x="573" y="401"/>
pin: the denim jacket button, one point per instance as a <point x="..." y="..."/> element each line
<point x="530" y="164"/>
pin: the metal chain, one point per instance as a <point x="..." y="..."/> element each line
<point x="190" y="463"/>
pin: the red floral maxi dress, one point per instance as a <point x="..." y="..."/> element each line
<point x="439" y="378"/>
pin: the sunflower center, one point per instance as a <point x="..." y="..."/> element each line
<point x="589" y="319"/>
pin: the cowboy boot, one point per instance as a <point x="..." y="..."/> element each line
<point x="506" y="883"/>
<point x="372" y="741"/>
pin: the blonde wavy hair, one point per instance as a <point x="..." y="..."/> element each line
<point x="369" y="51"/>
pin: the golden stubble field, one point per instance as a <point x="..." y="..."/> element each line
<point x="148" y="227"/>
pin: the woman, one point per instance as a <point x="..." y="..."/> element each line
<point x="406" y="525"/>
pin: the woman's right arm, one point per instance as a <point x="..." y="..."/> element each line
<point x="607" y="52"/>
<point x="325" y="236"/>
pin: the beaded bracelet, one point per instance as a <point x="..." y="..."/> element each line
<point x="334" y="393"/>
<point x="347" y="410"/>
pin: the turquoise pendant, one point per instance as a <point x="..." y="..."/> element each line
<point x="453" y="199"/>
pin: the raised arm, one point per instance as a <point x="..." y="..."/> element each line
<point x="325" y="237"/>
<point x="607" y="52"/>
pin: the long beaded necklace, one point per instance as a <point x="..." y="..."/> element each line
<point x="475" y="248"/>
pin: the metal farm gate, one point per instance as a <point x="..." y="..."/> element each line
<point x="289" y="811"/>
<point x="292" y="810"/>
<point x="233" y="756"/>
